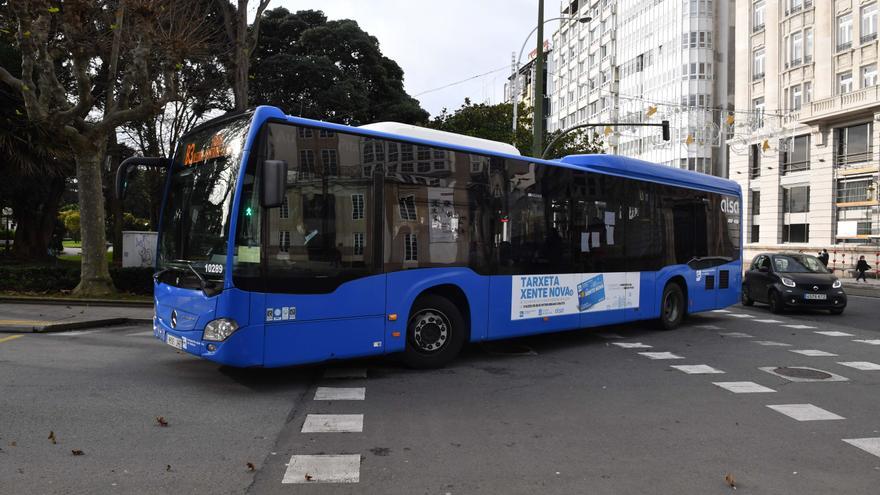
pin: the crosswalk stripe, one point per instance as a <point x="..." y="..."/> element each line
<point x="696" y="369"/>
<point x="869" y="445"/>
<point x="805" y="412"/>
<point x="339" y="393"/>
<point x="736" y="335"/>
<point x="799" y="327"/>
<point x="631" y="345"/>
<point x="743" y="387"/>
<point x="861" y="365"/>
<point x="333" y="423"/>
<point x="769" y="321"/>
<point x="323" y="469"/>
<point x="832" y="333"/>
<point x="771" y="343"/>
<point x="868" y="341"/>
<point x="661" y="355"/>
<point x="811" y="352"/>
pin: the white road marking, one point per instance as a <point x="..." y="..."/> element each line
<point x="861" y="365"/>
<point x="323" y="469"/>
<point x="709" y="327"/>
<point x="743" y="387"/>
<point x="811" y="352"/>
<point x="799" y="327"/>
<point x="869" y="445"/>
<point x="696" y="369"/>
<point x="606" y="335"/>
<point x="834" y="333"/>
<point x="740" y="315"/>
<point x="805" y="412"/>
<point x="345" y="373"/>
<point x="770" y="342"/>
<point x="869" y="341"/>
<point x="631" y="345"/>
<point x="140" y="334"/>
<point x="737" y="335"/>
<point x="333" y="423"/>
<point x="769" y="321"/>
<point x="661" y="355"/>
<point x="338" y="393"/>
<point x="720" y="311"/>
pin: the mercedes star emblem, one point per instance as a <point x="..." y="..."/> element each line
<point x="174" y="319"/>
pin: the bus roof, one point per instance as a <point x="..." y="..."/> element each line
<point x="439" y="136"/>
<point x="605" y="164"/>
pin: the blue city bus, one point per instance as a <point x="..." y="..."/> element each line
<point x="286" y="241"/>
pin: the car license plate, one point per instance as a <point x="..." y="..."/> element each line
<point x="816" y="296"/>
<point x="173" y="341"/>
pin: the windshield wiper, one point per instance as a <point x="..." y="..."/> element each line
<point x="208" y="287"/>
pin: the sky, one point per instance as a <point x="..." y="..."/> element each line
<point x="438" y="42"/>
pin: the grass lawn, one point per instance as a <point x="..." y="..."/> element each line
<point x="71" y="243"/>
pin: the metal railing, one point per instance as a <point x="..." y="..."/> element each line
<point x="757" y="28"/>
<point x="854" y="160"/>
<point x="791" y="167"/>
<point x="757" y="76"/>
<point x="844" y="46"/>
<point x="868" y="37"/>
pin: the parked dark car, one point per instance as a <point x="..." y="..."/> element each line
<point x="792" y="280"/>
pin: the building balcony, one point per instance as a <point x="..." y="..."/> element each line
<point x="757" y="28"/>
<point x="829" y="109"/>
<point x="868" y="38"/>
<point x="758" y="76"/>
<point x="844" y="46"/>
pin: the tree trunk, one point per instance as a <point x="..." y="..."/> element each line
<point x="35" y="219"/>
<point x="242" y="67"/>
<point x="94" y="276"/>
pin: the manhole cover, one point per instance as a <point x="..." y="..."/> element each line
<point x="802" y="373"/>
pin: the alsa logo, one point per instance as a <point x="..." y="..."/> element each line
<point x="730" y="206"/>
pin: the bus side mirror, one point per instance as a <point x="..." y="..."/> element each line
<point x="133" y="162"/>
<point x="274" y="183"/>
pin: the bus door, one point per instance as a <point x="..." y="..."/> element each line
<point x="691" y="243"/>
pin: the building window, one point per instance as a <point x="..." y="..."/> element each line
<point x="796" y="199"/>
<point x="794" y="6"/>
<point x="407" y="208"/>
<point x="869" y="23"/>
<point x="284" y="210"/>
<point x="796" y="97"/>
<point x="844" y="83"/>
<point x="758" y="64"/>
<point x="284" y="240"/>
<point x="808" y="45"/>
<point x="324" y="133"/>
<point x="853" y="145"/>
<point x="844" y="32"/>
<point x="799" y="232"/>
<point x="359" y="243"/>
<point x="808" y="91"/>
<point x="410" y="247"/>
<point x="758" y="15"/>
<point x="869" y="75"/>
<point x="795" y="156"/>
<point x="796" y="49"/>
<point x="754" y="161"/>
<point x="328" y="159"/>
<point x="306" y="163"/>
<point x="305" y="132"/>
<point x="852" y="191"/>
<point x="357" y="206"/>
<point x="758" y="112"/>
<point x="755" y="234"/>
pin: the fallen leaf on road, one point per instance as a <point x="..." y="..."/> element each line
<point x="161" y="421"/>
<point x="308" y="477"/>
<point x="731" y="482"/>
<point x="251" y="466"/>
<point x="52" y="437"/>
<point x="168" y="467"/>
<point x="77" y="452"/>
<point x="12" y="444"/>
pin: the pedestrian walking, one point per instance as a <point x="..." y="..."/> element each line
<point x="861" y="267"/>
<point x="823" y="257"/>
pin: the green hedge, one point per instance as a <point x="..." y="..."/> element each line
<point x="49" y="278"/>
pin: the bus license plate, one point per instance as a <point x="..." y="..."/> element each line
<point x="816" y="296"/>
<point x="173" y="341"/>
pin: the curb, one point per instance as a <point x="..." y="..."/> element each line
<point x="77" y="325"/>
<point x="859" y="290"/>
<point x="75" y="302"/>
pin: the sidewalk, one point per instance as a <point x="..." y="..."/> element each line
<point x="871" y="288"/>
<point x="34" y="317"/>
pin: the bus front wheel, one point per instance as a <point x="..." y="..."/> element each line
<point x="671" y="306"/>
<point x="435" y="333"/>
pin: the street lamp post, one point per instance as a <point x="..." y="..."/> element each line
<point x="515" y="85"/>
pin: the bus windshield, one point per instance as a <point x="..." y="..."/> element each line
<point x="196" y="217"/>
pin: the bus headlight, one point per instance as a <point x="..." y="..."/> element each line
<point x="788" y="282"/>
<point x="836" y="284"/>
<point x="218" y="330"/>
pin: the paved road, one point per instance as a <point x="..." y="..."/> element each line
<point x="578" y="414"/>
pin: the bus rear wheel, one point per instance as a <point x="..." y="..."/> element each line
<point x="435" y="333"/>
<point x="671" y="306"/>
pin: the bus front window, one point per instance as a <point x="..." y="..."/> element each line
<point x="196" y="217"/>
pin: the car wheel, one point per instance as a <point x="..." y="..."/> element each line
<point x="776" y="304"/>
<point x="435" y="333"/>
<point x="746" y="300"/>
<point x="672" y="306"/>
<point x="836" y="311"/>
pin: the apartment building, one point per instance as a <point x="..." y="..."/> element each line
<point x="807" y="80"/>
<point x="639" y="61"/>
